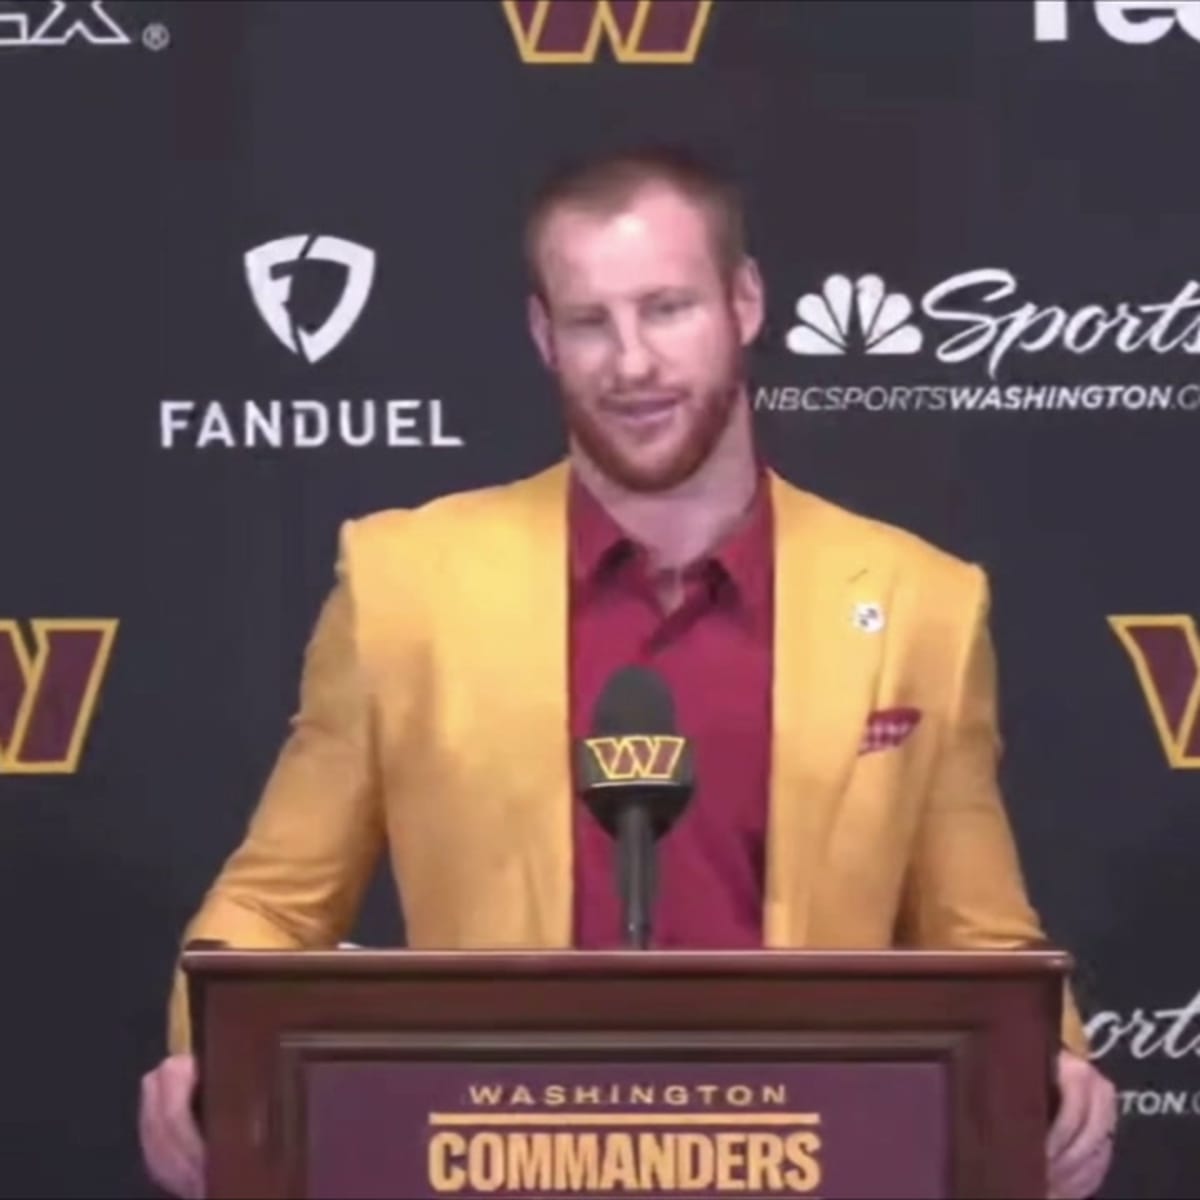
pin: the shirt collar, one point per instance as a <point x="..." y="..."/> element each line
<point x="598" y="544"/>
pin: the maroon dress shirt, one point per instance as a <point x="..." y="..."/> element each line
<point x="715" y="652"/>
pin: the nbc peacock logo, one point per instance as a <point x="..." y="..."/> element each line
<point x="858" y="315"/>
<point x="855" y="326"/>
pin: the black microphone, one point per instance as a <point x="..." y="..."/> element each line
<point x="636" y="774"/>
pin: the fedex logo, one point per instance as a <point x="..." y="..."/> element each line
<point x="1134" y="22"/>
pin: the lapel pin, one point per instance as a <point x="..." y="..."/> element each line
<point x="868" y="617"/>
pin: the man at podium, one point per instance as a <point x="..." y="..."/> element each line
<point x="833" y="675"/>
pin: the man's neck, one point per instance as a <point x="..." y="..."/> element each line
<point x="679" y="526"/>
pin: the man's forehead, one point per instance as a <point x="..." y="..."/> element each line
<point x="655" y="238"/>
<point x="652" y="215"/>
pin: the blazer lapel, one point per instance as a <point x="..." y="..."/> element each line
<point x="825" y="670"/>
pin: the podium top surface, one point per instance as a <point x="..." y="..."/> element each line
<point x="212" y="962"/>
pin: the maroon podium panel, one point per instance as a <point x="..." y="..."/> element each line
<point x="651" y="1128"/>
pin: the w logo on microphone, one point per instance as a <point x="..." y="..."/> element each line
<point x="652" y="758"/>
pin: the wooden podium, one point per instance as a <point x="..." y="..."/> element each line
<point x="358" y="1073"/>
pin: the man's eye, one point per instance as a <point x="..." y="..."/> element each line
<point x="666" y="308"/>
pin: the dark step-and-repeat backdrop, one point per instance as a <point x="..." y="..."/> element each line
<point x="260" y="271"/>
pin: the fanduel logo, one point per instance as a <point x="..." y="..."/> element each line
<point x="309" y="423"/>
<point x="269" y="272"/>
<point x="861" y="315"/>
<point x="1134" y="22"/>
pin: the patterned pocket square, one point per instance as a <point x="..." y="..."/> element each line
<point x="888" y="727"/>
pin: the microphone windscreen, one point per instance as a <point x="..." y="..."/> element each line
<point x="635" y="700"/>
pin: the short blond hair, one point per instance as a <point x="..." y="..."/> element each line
<point x="606" y="183"/>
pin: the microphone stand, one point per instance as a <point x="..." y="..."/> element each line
<point x="635" y="872"/>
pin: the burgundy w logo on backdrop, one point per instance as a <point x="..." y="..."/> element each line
<point x="48" y="698"/>
<point x="637" y="31"/>
<point x="1166" y="656"/>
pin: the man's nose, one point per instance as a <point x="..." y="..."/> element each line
<point x="635" y="362"/>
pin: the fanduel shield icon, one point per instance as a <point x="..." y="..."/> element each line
<point x="269" y="271"/>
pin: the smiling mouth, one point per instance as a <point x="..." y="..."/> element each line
<point x="643" y="410"/>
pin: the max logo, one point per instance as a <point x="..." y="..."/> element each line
<point x="636" y="756"/>
<point x="60" y="22"/>
<point x="1166" y="656"/>
<point x="637" y="31"/>
<point x="48" y="697"/>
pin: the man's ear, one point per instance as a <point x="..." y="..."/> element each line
<point x="539" y="328"/>
<point x="749" y="303"/>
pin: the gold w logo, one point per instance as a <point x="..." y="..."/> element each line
<point x="47" y="698"/>
<point x="1166" y="655"/>
<point x="639" y="31"/>
<point x="636" y="756"/>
